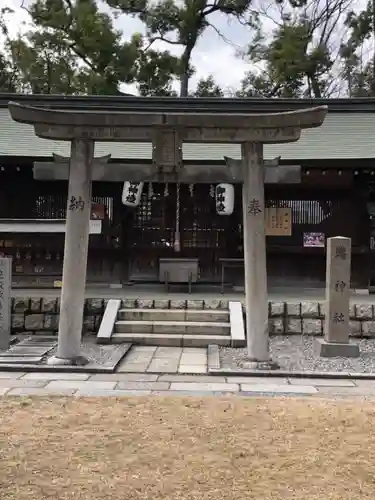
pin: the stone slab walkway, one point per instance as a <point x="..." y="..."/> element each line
<point x="144" y="384"/>
<point x="152" y="359"/>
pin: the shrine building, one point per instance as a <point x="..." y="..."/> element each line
<point x="321" y="186"/>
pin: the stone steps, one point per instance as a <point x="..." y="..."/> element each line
<point x="189" y="327"/>
<point x="179" y="340"/>
<point x="170" y="327"/>
<point x="207" y="315"/>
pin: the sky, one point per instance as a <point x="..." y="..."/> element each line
<point x="213" y="55"/>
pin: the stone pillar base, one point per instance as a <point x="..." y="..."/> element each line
<point x="260" y="365"/>
<point x="332" y="349"/>
<point x="77" y="361"/>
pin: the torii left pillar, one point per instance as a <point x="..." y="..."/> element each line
<point x="75" y="254"/>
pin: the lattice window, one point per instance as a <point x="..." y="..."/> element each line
<point x="305" y="211"/>
<point x="154" y="218"/>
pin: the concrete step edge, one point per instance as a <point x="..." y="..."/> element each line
<point x="211" y="324"/>
<point x="171" y="340"/>
<point x="182" y="311"/>
<point x="168" y="333"/>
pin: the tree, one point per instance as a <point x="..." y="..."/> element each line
<point x="179" y="23"/>
<point x="73" y="48"/>
<point x="7" y="83"/>
<point x="359" y="52"/>
<point x="8" y="75"/>
<point x="301" y="59"/>
<point x="155" y="72"/>
<point x="76" y="47"/>
<point x="206" y="87"/>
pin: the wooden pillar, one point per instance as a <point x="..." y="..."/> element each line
<point x="75" y="254"/>
<point x="256" y="297"/>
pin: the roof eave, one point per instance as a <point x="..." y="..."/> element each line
<point x="189" y="104"/>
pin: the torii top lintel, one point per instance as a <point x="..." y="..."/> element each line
<point x="109" y="126"/>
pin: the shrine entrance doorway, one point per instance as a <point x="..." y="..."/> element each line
<point x="149" y="230"/>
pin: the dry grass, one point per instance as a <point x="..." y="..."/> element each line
<point x="179" y="449"/>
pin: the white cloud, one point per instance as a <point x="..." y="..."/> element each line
<point x="215" y="54"/>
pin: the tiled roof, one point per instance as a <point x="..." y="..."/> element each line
<point x="342" y="136"/>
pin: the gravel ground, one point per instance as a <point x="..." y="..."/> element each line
<point x="296" y="353"/>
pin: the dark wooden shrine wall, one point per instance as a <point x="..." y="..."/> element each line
<point x="134" y="239"/>
<point x="208" y="236"/>
<point x="37" y="257"/>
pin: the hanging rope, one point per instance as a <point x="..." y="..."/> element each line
<point x="177" y="244"/>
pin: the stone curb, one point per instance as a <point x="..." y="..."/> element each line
<point x="213" y="357"/>
<point x="289" y="374"/>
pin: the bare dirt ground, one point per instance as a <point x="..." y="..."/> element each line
<point x="186" y="449"/>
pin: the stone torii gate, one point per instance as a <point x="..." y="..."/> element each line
<point x="167" y="131"/>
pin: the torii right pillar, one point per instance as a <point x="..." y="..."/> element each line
<point x="281" y="127"/>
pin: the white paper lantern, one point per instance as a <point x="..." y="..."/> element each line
<point x="224" y="197"/>
<point x="131" y="193"/>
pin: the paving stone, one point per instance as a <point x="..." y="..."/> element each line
<point x="5" y="375"/>
<point x="132" y="367"/>
<point x="270" y="394"/>
<point x="273" y="388"/>
<point x="160" y="365"/>
<point x="184" y="393"/>
<point x="124" y="377"/>
<point x="22" y="383"/>
<point x="81" y="384"/>
<point x="193" y="359"/>
<point x="347" y="391"/>
<point x="194" y="350"/>
<point x="27" y="350"/>
<point x="20" y="360"/>
<point x="203" y="386"/>
<point x="364" y="383"/>
<point x="144" y="348"/>
<point x="258" y="380"/>
<point x="56" y="376"/>
<point x="139" y="357"/>
<point x="191" y="378"/>
<point x="143" y="386"/>
<point x="192" y="368"/>
<point x="322" y="382"/>
<point x="168" y="352"/>
<point x="41" y="391"/>
<point x="109" y="393"/>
